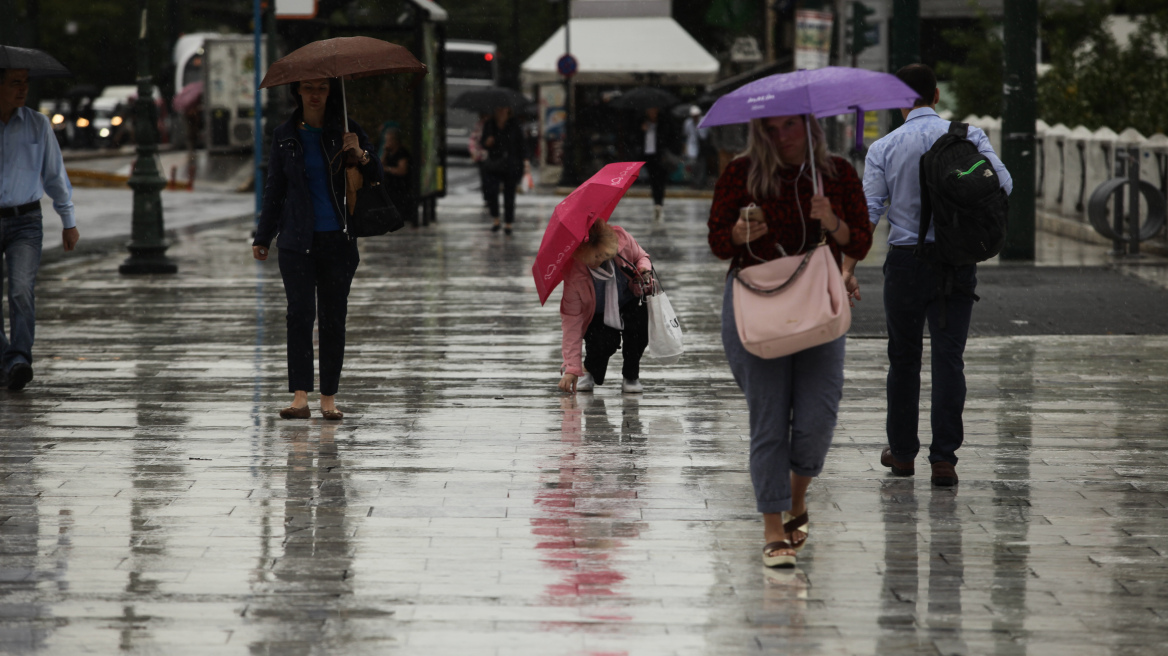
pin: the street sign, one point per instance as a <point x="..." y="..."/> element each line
<point x="295" y="9"/>
<point x="566" y="65"/>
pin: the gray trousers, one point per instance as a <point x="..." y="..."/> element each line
<point x="793" y="404"/>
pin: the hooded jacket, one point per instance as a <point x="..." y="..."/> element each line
<point x="287" y="207"/>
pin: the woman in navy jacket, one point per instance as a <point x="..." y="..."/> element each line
<point x="303" y="204"/>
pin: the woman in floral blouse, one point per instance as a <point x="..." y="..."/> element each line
<point x="794" y="399"/>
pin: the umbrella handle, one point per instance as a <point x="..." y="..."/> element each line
<point x="344" y="129"/>
<point x="807" y="118"/>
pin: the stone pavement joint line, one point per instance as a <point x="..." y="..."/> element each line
<point x="153" y="503"/>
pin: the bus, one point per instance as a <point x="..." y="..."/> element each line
<point x="469" y="65"/>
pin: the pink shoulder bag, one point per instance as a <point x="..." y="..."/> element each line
<point x="791" y="303"/>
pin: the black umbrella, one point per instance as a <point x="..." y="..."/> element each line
<point x="644" y="98"/>
<point x="485" y="100"/>
<point x="39" y="64"/>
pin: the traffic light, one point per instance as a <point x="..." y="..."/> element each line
<point x="863" y="34"/>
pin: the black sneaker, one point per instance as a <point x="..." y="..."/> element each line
<point x="19" y="375"/>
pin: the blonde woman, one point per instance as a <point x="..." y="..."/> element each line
<point x="793" y="400"/>
<point x="601" y="310"/>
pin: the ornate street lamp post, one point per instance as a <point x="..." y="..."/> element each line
<point x="147" y="244"/>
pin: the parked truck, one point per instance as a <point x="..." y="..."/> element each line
<point x="225" y="64"/>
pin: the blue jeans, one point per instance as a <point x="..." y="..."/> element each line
<point x="910" y="298"/>
<point x="793" y="402"/>
<point x="20" y="246"/>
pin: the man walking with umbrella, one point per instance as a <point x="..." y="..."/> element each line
<point x="30" y="166"/>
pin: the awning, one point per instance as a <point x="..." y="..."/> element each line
<point x="433" y="10"/>
<point x="624" y="51"/>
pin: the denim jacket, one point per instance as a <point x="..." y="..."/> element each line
<point x="287" y="207"/>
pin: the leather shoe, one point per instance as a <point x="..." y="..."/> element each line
<point x="898" y="468"/>
<point x="292" y="412"/>
<point x="19" y="375"/>
<point x="944" y="474"/>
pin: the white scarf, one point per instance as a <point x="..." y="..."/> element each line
<point x="612" y="317"/>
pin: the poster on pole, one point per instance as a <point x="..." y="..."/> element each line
<point x="812" y="39"/>
<point x="295" y="9"/>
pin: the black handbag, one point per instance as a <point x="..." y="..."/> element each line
<point x="374" y="214"/>
<point x="498" y="166"/>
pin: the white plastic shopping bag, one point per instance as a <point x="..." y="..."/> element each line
<point x="664" y="330"/>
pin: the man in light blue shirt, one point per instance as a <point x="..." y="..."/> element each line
<point x="913" y="290"/>
<point x="30" y="166"/>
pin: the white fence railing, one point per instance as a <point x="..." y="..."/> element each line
<point x="1071" y="163"/>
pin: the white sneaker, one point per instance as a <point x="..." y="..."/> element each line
<point x="585" y="383"/>
<point x="658" y="213"/>
<point x="632" y="386"/>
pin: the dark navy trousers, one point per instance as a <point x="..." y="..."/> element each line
<point x="912" y="297"/>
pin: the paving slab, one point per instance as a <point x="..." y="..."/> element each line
<point x="151" y="502"/>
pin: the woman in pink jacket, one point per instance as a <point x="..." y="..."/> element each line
<point x="600" y="308"/>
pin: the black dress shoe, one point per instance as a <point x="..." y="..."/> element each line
<point x="19" y="375"/>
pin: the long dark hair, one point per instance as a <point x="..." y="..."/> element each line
<point x="333" y="108"/>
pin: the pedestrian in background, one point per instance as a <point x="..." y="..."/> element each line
<point x="912" y="288"/>
<point x="504" y="167"/>
<point x="395" y="163"/>
<point x="478" y="155"/>
<point x="652" y="149"/>
<point x="603" y="309"/>
<point x="794" y="399"/>
<point x="302" y="204"/>
<point x="695" y="137"/>
<point x="30" y="166"/>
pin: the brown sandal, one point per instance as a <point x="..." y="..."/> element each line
<point x="292" y="412"/>
<point x="775" y="560"/>
<point x="332" y="415"/>
<point x="791" y="525"/>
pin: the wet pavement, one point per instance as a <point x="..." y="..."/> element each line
<point x="151" y="502"/>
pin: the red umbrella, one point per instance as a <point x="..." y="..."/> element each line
<point x="566" y="230"/>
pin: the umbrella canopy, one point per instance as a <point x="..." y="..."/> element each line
<point x="645" y="97"/>
<point x="187" y="98"/>
<point x="485" y="100"/>
<point x="822" y="92"/>
<point x="590" y="202"/>
<point x="38" y="63"/>
<point x="343" y="57"/>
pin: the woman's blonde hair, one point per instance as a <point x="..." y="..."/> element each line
<point x="601" y="236"/>
<point x="762" y="179"/>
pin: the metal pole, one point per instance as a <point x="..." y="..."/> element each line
<point x="1133" y="176"/>
<point x="147" y="244"/>
<point x="1019" y="114"/>
<point x="905" y="47"/>
<point x="1118" y="248"/>
<point x="258" y="129"/>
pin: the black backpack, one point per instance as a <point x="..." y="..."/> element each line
<point x="962" y="197"/>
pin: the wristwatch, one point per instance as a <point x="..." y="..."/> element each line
<point x="364" y="157"/>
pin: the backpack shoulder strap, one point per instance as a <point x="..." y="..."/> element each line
<point x="959" y="129"/>
<point x="926" y="204"/>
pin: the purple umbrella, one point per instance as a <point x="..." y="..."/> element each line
<point x="821" y="92"/>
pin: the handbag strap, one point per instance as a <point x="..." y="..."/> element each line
<point x="786" y="284"/>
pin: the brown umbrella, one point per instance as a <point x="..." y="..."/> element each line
<point x="343" y="57"/>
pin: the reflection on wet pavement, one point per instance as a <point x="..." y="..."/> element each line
<point x="152" y="503"/>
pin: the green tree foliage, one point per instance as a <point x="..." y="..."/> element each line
<point x="1092" y="80"/>
<point x="1095" y="81"/>
<point x="975" y="83"/>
